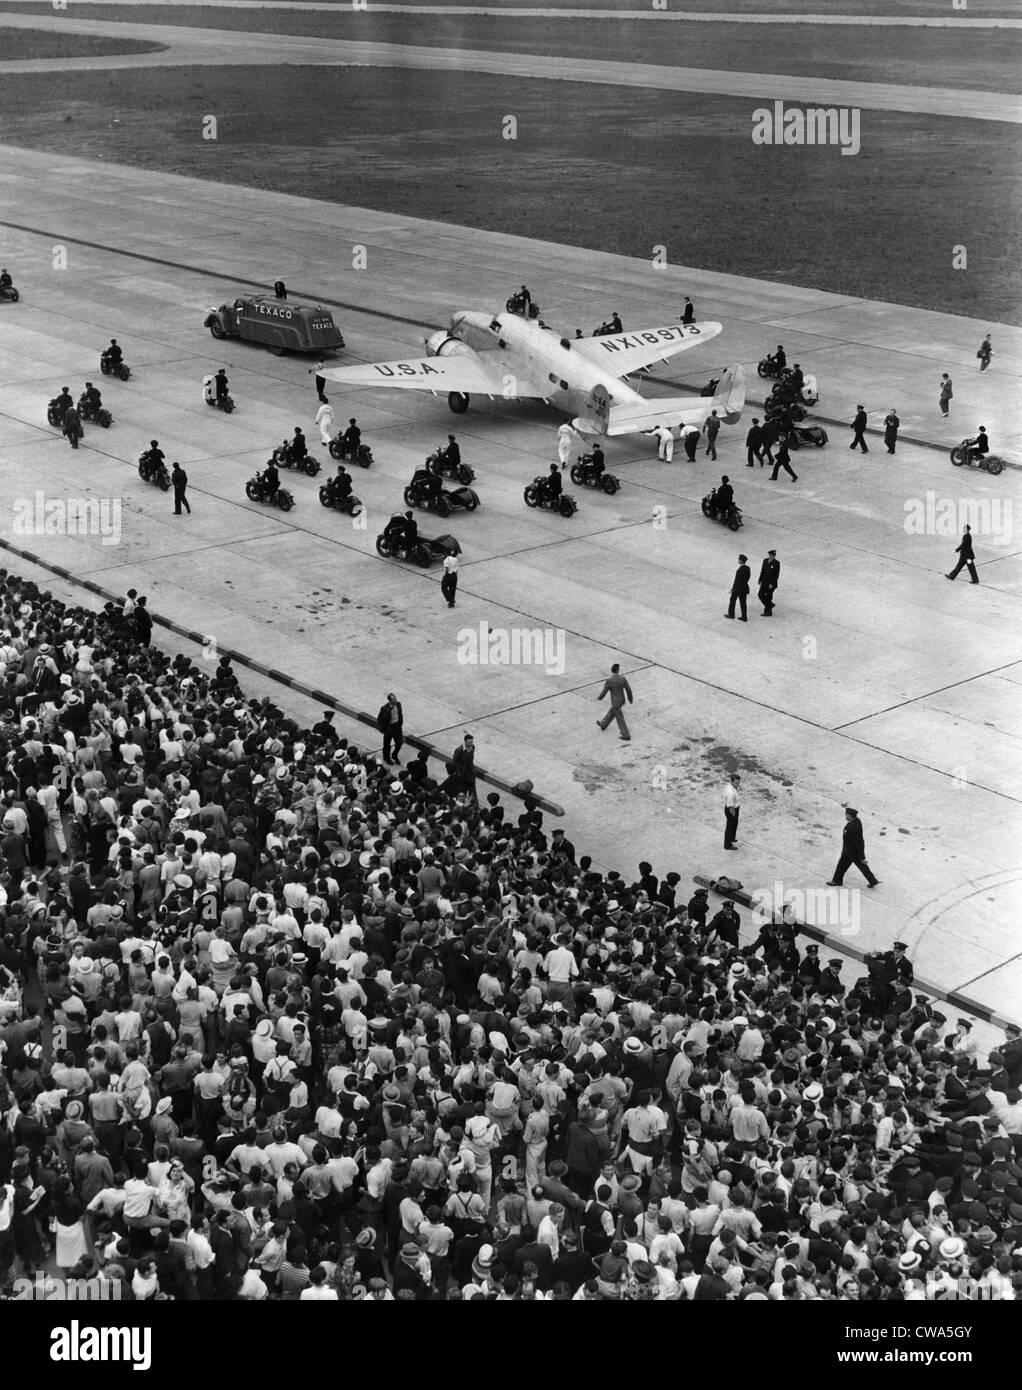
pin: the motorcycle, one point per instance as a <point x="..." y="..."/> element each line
<point x="101" y="416"/>
<point x="284" y="457"/>
<point x="583" y="476"/>
<point x="768" y="367"/>
<point x="460" y="472"/>
<point x="339" y="450"/>
<point x="110" y="368"/>
<point x="443" y="502"/>
<point x="537" y="494"/>
<point x="788" y="423"/>
<point x="965" y="456"/>
<point x="224" y="403"/>
<point x="424" y="552"/>
<point x="155" y="473"/>
<point x="605" y="330"/>
<point x="516" y="304"/>
<point x="732" y="518"/>
<point x="785" y="392"/>
<point x="351" y="505"/>
<point x="10" y="293"/>
<point x="54" y="414"/>
<point x="256" y="490"/>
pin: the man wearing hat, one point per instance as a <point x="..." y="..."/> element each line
<point x="853" y="851"/>
<point x="769" y="578"/>
<point x="829" y="983"/>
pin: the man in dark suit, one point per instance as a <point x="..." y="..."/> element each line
<point x="858" y="428"/>
<point x="769" y="578"/>
<point x="390" y="722"/>
<point x="740" y="589"/>
<point x="891" y="426"/>
<point x="853" y="851"/>
<point x="966" y="558"/>
<point x="754" y="444"/>
<point x="783" y="460"/>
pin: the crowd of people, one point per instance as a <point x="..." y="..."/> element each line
<point x="281" y="1018"/>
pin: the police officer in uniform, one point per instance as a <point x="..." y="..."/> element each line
<point x="810" y="966"/>
<point x="829" y="983"/>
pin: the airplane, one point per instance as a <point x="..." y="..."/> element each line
<point x="508" y="356"/>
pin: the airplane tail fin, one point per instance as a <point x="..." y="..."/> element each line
<point x="634" y="417"/>
<point x="597" y="409"/>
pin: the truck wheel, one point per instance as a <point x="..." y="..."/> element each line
<point x="457" y="401"/>
<point x="217" y="329"/>
<point x="277" y="349"/>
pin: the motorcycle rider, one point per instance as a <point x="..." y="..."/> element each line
<point x="63" y="403"/>
<point x="428" y="479"/>
<point x="220" y="385"/>
<point x="270" y="480"/>
<point x="72" y="426"/>
<point x="797" y="378"/>
<point x="552" y="484"/>
<point x="597" y="462"/>
<point x="5" y="279"/>
<point x="725" y="496"/>
<point x="980" y="446"/>
<point x="339" y="485"/>
<point x="780" y="359"/>
<point x="297" y="447"/>
<point x="153" y="458"/>
<point x="92" y="399"/>
<point x="450" y="456"/>
<point x="113" y="354"/>
<point x="351" y="439"/>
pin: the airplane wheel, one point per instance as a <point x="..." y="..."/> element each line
<point x="458" y="402"/>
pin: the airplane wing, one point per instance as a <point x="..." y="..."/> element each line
<point x="624" y="353"/>
<point x="466" y="373"/>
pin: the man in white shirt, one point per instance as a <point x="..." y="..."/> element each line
<point x="732" y="807"/>
<point x="560" y="968"/>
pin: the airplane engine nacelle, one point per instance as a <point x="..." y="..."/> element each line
<point x="441" y="344"/>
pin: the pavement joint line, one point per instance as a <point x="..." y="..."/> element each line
<point x="281" y="678"/>
<point x="871" y="430"/>
<point x="951" y="996"/>
<point x="977" y="675"/>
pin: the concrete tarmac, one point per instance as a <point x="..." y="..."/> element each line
<point x="875" y="683"/>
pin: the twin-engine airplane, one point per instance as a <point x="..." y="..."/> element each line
<point x="510" y="357"/>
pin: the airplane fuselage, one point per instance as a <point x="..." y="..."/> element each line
<point x="542" y="356"/>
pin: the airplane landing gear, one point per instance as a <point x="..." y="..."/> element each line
<point x="458" y="402"/>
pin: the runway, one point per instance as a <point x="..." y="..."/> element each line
<point x="530" y="12"/>
<point x="876" y="682"/>
<point x="189" y="47"/>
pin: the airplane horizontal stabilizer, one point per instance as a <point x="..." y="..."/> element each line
<point x="633" y="417"/>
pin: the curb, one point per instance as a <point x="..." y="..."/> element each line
<point x="240" y="659"/>
<point x="952" y="997"/>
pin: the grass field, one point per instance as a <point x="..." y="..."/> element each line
<point x="602" y="167"/>
<point x="39" y="43"/>
<point x="981" y="59"/>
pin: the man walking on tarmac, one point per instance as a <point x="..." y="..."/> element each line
<point x="966" y="558"/>
<point x="179" y="478"/>
<point x="617" y="687"/>
<point x="853" y="851"/>
<point x="858" y="428"/>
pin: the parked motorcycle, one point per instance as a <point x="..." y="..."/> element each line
<point x="257" y="490"/>
<point x="582" y="475"/>
<point x="110" y="368"/>
<point x="284" y="457"/>
<point x="786" y="392"/>
<point x="340" y="450"/>
<point x="350" y="505"/>
<point x="153" y="471"/>
<point x="731" y="517"/>
<point x="423" y="553"/>
<point x="101" y="416"/>
<point x="788" y="419"/>
<point x="443" y="502"/>
<point x="965" y="456"/>
<point x="461" y="472"/>
<point x="537" y="494"/>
